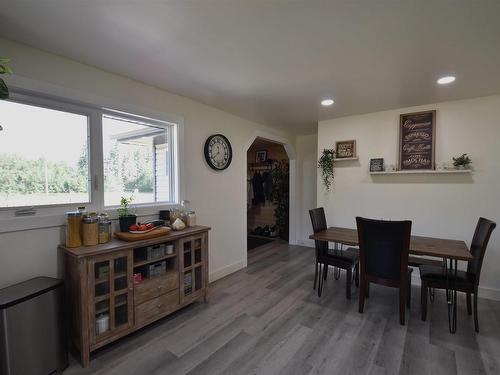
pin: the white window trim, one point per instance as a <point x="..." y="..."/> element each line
<point x="54" y="215"/>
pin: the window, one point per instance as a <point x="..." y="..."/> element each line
<point x="55" y="153"/>
<point x="137" y="160"/>
<point x="43" y="156"/>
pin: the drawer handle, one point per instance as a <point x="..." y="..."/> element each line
<point x="159" y="305"/>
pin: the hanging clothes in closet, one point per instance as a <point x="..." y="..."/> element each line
<point x="268" y="185"/>
<point x="258" y="188"/>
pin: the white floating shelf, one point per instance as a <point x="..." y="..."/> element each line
<point x="440" y="171"/>
<point x="347" y="159"/>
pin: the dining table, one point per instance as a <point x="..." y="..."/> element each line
<point x="451" y="251"/>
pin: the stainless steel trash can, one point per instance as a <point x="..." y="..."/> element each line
<point x="32" y="329"/>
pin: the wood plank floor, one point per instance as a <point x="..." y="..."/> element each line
<point x="266" y="319"/>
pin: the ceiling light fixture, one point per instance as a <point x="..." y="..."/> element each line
<point x="446" y="80"/>
<point x="327" y="102"/>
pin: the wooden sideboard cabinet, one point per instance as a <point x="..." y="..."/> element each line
<point x="105" y="304"/>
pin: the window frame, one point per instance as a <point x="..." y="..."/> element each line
<point x="53" y="215"/>
<point x="168" y="126"/>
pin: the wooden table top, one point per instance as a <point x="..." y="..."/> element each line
<point x="116" y="244"/>
<point x="434" y="247"/>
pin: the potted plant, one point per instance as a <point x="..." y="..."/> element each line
<point x="326" y="163"/>
<point x="4" y="69"/>
<point x="126" y="218"/>
<point x="462" y="162"/>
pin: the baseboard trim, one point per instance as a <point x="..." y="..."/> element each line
<point x="306" y="242"/>
<point x="489" y="293"/>
<point x="484" y="292"/>
<point x="227" y="270"/>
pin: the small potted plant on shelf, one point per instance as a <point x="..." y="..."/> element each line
<point x="126" y="218"/>
<point x="462" y="162"/>
<point x="326" y="163"/>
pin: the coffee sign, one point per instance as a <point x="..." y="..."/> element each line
<point x="345" y="149"/>
<point x="417" y="140"/>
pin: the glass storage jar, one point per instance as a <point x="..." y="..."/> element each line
<point x="104" y="228"/>
<point x="73" y="229"/>
<point x="90" y="230"/>
<point x="191" y="219"/>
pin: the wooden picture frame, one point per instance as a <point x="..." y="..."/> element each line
<point x="260" y="156"/>
<point x="345" y="149"/>
<point x="417" y="141"/>
<point x="377" y="165"/>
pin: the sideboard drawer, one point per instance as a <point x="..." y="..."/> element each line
<point x="155" y="287"/>
<point x="156" y="308"/>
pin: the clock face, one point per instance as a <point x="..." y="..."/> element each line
<point x="218" y="152"/>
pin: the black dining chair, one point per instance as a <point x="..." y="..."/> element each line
<point x="383" y="258"/>
<point x="466" y="281"/>
<point x="343" y="259"/>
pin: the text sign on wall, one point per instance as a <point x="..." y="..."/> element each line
<point x="417" y="140"/>
<point x="345" y="149"/>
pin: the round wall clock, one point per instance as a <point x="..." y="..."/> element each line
<point x="218" y="152"/>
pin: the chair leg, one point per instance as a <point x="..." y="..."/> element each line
<point x="348" y="283"/>
<point x="315" y="276"/>
<point x="362" y="292"/>
<point x="402" y="305"/>
<point x="469" y="304"/>
<point x="476" y="320"/>
<point x="356" y="275"/>
<point x="326" y="271"/>
<point x="431" y="294"/>
<point x="423" y="301"/>
<point x="320" y="279"/>
<point x="367" y="293"/>
<point x="408" y="293"/>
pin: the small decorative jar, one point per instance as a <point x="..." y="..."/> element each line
<point x="191" y="219"/>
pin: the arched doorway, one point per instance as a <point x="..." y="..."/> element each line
<point x="275" y="149"/>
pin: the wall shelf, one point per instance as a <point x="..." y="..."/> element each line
<point x="440" y="171"/>
<point x="347" y="159"/>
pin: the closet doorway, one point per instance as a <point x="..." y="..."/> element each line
<point x="268" y="193"/>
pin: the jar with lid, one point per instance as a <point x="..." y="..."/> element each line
<point x="73" y="229"/>
<point x="104" y="228"/>
<point x="174" y="215"/>
<point x="191" y="219"/>
<point x="184" y="211"/>
<point x="90" y="230"/>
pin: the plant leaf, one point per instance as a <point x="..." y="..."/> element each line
<point x="4" y="90"/>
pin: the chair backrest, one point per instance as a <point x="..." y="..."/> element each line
<point x="384" y="247"/>
<point x="479" y="244"/>
<point x="318" y="221"/>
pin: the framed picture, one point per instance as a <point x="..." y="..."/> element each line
<point x="260" y="156"/>
<point x="417" y="139"/>
<point x="377" y="165"/>
<point x="345" y="149"/>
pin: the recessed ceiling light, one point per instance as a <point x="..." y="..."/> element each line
<point x="327" y="102"/>
<point x="445" y="80"/>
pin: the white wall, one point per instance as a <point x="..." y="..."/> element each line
<point x="446" y="206"/>
<point x="306" y="146"/>
<point x="217" y="197"/>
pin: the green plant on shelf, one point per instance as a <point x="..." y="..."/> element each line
<point x="462" y="161"/>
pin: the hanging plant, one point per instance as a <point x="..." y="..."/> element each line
<point x="4" y="69"/>
<point x="281" y="197"/>
<point x="326" y="163"/>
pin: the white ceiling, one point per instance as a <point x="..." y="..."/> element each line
<point x="272" y="61"/>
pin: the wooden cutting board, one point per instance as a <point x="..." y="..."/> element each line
<point x="130" y="237"/>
